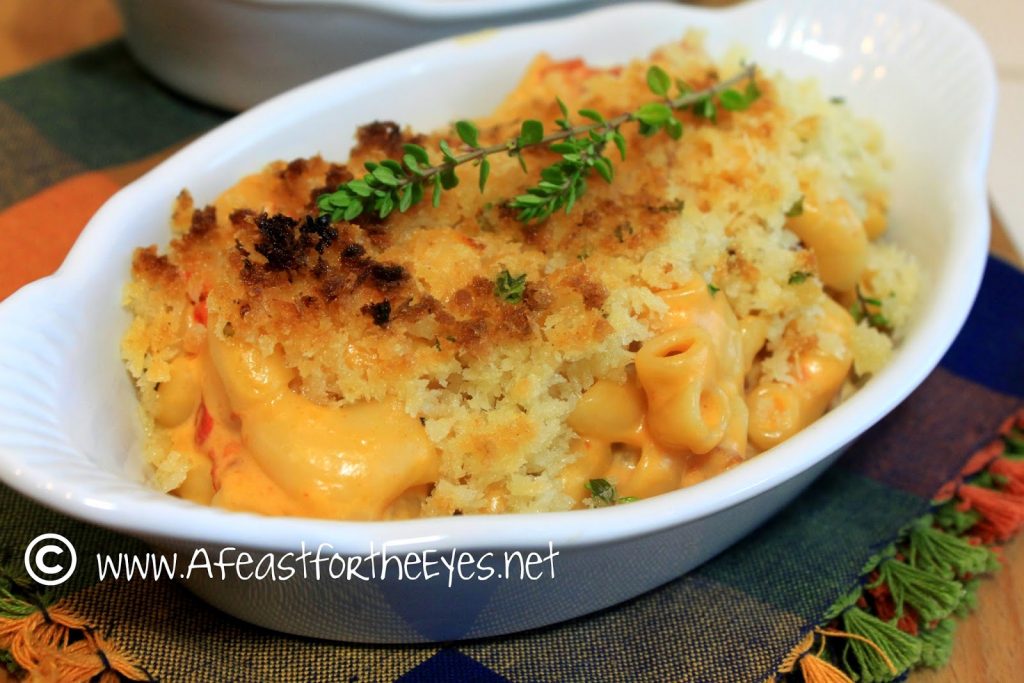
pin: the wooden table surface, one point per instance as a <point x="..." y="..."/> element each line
<point x="989" y="643"/>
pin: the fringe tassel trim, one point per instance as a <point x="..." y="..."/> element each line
<point x="48" y="642"/>
<point x="902" y="612"/>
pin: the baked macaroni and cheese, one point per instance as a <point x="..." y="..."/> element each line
<point x="295" y="357"/>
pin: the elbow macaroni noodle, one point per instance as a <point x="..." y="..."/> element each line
<point x="684" y="412"/>
<point x="268" y="449"/>
<point x="836" y="236"/>
<point x="686" y="396"/>
<point x="779" y="410"/>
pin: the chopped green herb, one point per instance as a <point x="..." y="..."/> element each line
<point x="712" y="290"/>
<point x="674" y="206"/>
<point x="798" y="277"/>
<point x="483" y="218"/>
<point x="602" y="493"/>
<point x="510" y="288"/>
<point x="869" y="308"/>
<point x="837" y="100"/>
<point x="797" y="208"/>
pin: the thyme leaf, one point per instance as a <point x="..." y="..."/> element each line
<point x="798" y="277"/>
<point x="510" y="288"/>
<point x="870" y="309"/>
<point x="602" y="493"/>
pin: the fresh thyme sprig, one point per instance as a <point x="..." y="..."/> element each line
<point x="390" y="184"/>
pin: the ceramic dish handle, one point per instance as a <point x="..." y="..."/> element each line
<point x="43" y="365"/>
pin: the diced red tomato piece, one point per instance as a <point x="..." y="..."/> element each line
<point x="200" y="312"/>
<point x="204" y="424"/>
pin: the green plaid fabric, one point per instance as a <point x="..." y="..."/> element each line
<point x="734" y="619"/>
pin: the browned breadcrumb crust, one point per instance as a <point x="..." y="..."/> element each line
<point x="154" y="268"/>
<point x="323" y="266"/>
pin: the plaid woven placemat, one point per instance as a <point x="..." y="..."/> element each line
<point x="861" y="576"/>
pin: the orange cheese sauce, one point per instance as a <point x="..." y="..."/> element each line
<point x="256" y="445"/>
<point x="638" y="434"/>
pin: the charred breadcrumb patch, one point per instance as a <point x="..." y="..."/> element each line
<point x="370" y="221"/>
<point x="321" y="268"/>
<point x="249" y="275"/>
<point x="313" y="253"/>
<point x="426" y="306"/>
<point x="536" y="236"/>
<point x="506" y="212"/>
<point x="480" y="315"/>
<point x="383" y="137"/>
<point x="337" y="174"/>
<point x="331" y="287"/>
<point x="148" y="265"/>
<point x="295" y="169"/>
<point x="285" y="242"/>
<point x="241" y="217"/>
<point x="182" y="212"/>
<point x="204" y="221"/>
<point x="589" y="219"/>
<point x="353" y="251"/>
<point x="386" y="275"/>
<point x="537" y="297"/>
<point x="593" y="292"/>
<point x="321" y="228"/>
<point x="278" y="243"/>
<point x="379" y="236"/>
<point x="184" y="199"/>
<point x="379" y="312"/>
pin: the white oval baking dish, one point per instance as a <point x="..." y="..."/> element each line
<point x="69" y="434"/>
